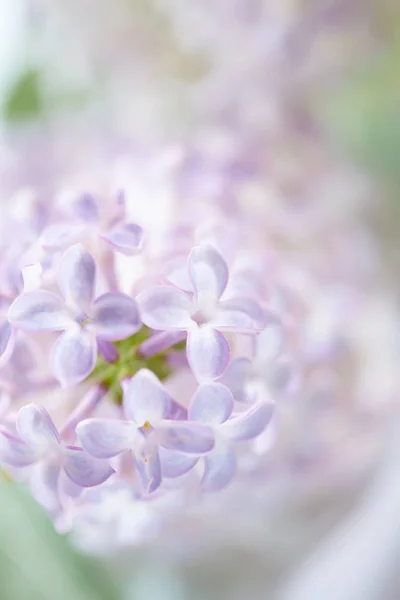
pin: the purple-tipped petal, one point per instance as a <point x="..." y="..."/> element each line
<point x="44" y="485"/>
<point x="220" y="468"/>
<point x="15" y="452"/>
<point x="83" y="469"/>
<point x="165" y="308"/>
<point x="212" y="404"/>
<point x="269" y="343"/>
<point x="149" y="466"/>
<point x="145" y="398"/>
<point x="240" y="315"/>
<point x="74" y="356"/>
<point x="36" y="427"/>
<point x="249" y="424"/>
<point x="62" y="235"/>
<point x="105" y="438"/>
<point x="39" y="311"/>
<point x="126" y="238"/>
<point x="209" y="274"/>
<point x="208" y="352"/>
<point x="6" y="341"/>
<point x="175" y="464"/>
<point x="236" y="376"/>
<point x="76" y="277"/>
<point x="115" y="317"/>
<point x="190" y="438"/>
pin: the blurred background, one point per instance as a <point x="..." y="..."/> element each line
<point x="302" y="94"/>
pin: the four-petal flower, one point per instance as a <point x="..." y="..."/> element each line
<point x="55" y="467"/>
<point x="83" y="321"/>
<point x="203" y="314"/>
<point x="212" y="405"/>
<point x="147" y="428"/>
<point x="84" y="219"/>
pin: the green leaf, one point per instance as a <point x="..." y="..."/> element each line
<point x="36" y="563"/>
<point x="24" y="99"/>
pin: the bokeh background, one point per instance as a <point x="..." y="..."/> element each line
<point x="309" y="91"/>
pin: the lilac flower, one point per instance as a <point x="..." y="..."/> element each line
<point x="15" y="281"/>
<point x="7" y="335"/>
<point x="55" y="467"/>
<point x="147" y="428"/>
<point x="84" y="219"/>
<point x="212" y="405"/>
<point x="82" y="320"/>
<point x="271" y="372"/>
<point x="203" y="314"/>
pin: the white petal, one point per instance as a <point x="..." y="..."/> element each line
<point x="165" y="308"/>
<point x="145" y="398"/>
<point x="74" y="356"/>
<point x="209" y="274"/>
<point x="76" y="277"/>
<point x="208" y="352"/>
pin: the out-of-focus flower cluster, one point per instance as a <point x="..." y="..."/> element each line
<point x="182" y="328"/>
<point x="178" y="362"/>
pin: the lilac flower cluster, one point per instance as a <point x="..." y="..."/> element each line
<point x="119" y="353"/>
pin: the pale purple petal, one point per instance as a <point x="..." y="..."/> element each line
<point x="269" y="343"/>
<point x="83" y="469"/>
<point x="6" y="341"/>
<point x="15" y="452"/>
<point x="177" y="273"/>
<point x="208" y="352"/>
<point x="249" y="424"/>
<point x="177" y="412"/>
<point x="240" y="315"/>
<point x="73" y="356"/>
<point x="175" y="464"/>
<point x="66" y="487"/>
<point x="236" y="376"/>
<point x="145" y="398"/>
<point x="105" y="438"/>
<point x="84" y="209"/>
<point x="209" y="274"/>
<point x="44" y="485"/>
<point x="149" y="466"/>
<point x="212" y="404"/>
<point x="220" y="468"/>
<point x="62" y="235"/>
<point x="36" y="428"/>
<point x="115" y="317"/>
<point x="126" y="238"/>
<point x="165" y="308"/>
<point x="39" y="311"/>
<point x="76" y="276"/>
<point x="191" y="438"/>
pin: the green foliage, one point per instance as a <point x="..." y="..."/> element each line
<point x="24" y="99"/>
<point x="365" y="115"/>
<point x="38" y="564"/>
<point x="130" y="362"/>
